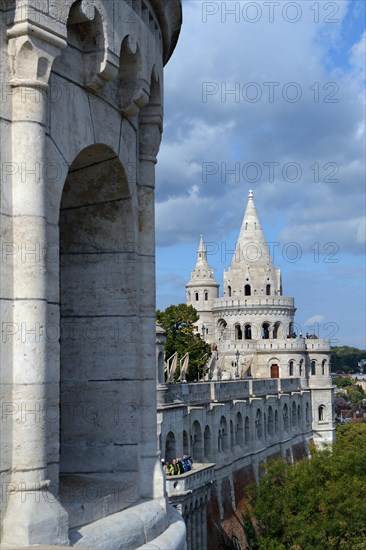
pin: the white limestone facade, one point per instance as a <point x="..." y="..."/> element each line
<point x="81" y="119"/>
<point x="251" y="327"/>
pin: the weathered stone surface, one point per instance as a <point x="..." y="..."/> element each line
<point x="77" y="373"/>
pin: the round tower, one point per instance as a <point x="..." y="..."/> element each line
<point x="202" y="291"/>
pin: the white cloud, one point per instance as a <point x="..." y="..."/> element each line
<point x="314" y="319"/>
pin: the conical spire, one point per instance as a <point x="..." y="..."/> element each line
<point x="201" y="254"/>
<point x="202" y="272"/>
<point x="252" y="270"/>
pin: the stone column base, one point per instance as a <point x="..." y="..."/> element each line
<point x="34" y="517"/>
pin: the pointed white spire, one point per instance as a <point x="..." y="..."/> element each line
<point x="202" y="255"/>
<point x="251" y="269"/>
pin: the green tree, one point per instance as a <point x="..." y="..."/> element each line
<point x="345" y="358"/>
<point x="178" y="323"/>
<point x="315" y="503"/>
<point x="342" y="382"/>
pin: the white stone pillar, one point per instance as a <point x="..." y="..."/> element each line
<point x="33" y="515"/>
<point x="150" y="128"/>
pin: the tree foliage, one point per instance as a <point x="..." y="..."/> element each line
<point x="346" y="359"/>
<point x="178" y="323"/>
<point x="315" y="503"/>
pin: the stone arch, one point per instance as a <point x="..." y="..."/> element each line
<point x="294" y="415"/>
<point x="291" y="367"/>
<point x="248" y="332"/>
<point x="324" y="364"/>
<point x="224" y="434"/>
<point x="270" y="428"/>
<point x="276" y="421"/>
<point x="207" y="442"/>
<point x="185" y="443"/>
<point x="239" y="430"/>
<point x="313" y="368"/>
<point x="258" y="424"/>
<point x="247" y="290"/>
<point x="247" y="431"/>
<point x="96" y="282"/>
<point x="268" y="290"/>
<point x="285" y="416"/>
<point x="229" y="291"/>
<point x="87" y="41"/>
<point x="265" y="331"/>
<point x="134" y="93"/>
<point x="170" y="447"/>
<point x="307" y="413"/>
<point x="321" y="413"/>
<point x="238" y="332"/>
<point x="232" y="438"/>
<point x="197" y="448"/>
<point x="299" y="415"/>
<point x="274" y="367"/>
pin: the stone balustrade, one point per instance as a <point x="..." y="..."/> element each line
<point x="254" y="301"/>
<point x="198" y="477"/>
<point x="200" y="393"/>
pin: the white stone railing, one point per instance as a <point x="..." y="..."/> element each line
<point x="200" y="475"/>
<point x="254" y="301"/>
<point x="319" y="344"/>
<point x="295" y="344"/>
<point x="200" y="393"/>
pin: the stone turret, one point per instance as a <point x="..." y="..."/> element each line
<point x="202" y="292"/>
<point x="252" y="272"/>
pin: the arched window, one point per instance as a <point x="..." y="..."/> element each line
<point x="185" y="443"/>
<point x="196" y="296"/>
<point x="239" y="431"/>
<point x="285" y="417"/>
<point x="313" y="368"/>
<point x="298" y="415"/>
<point x="268" y="290"/>
<point x="307" y="413"/>
<point x="197" y="441"/>
<point x="246" y="431"/>
<point x="206" y="296"/>
<point x="265" y="331"/>
<point x="238" y="332"/>
<point x="207" y="442"/>
<point x="224" y="434"/>
<point x="323" y="366"/>
<point x="248" y="332"/>
<point x="247" y="290"/>
<point x="294" y="415"/>
<point x="290" y="330"/>
<point x="270" y="421"/>
<point x="276" y="421"/>
<point x="229" y="291"/>
<point x="170" y="447"/>
<point x="291" y="368"/>
<point x="301" y="366"/>
<point x="232" y="441"/>
<point x="258" y="424"/>
<point x="321" y="413"/>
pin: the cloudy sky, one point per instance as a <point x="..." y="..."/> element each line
<point x="269" y="96"/>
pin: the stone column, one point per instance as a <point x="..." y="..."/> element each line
<point x="150" y="128"/>
<point x="33" y="514"/>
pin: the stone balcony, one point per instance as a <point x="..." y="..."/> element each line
<point x="201" y="393"/>
<point x="200" y="476"/>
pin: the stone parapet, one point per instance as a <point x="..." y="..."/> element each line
<point x="200" y="475"/>
<point x="254" y="302"/>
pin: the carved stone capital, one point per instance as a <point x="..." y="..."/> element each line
<point x="33" y="50"/>
<point x="150" y="133"/>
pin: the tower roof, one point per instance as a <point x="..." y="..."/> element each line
<point x="251" y="263"/>
<point x="202" y="272"/>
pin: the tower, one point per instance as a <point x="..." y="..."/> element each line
<point x="252" y="325"/>
<point x="202" y="292"/>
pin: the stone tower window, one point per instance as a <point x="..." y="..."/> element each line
<point x="238" y="332"/>
<point x="321" y="413"/>
<point x="265" y="331"/>
<point x="268" y="290"/>
<point x="291" y="368"/>
<point x="206" y="296"/>
<point x="313" y="368"/>
<point x="229" y="290"/>
<point x="247" y="290"/>
<point x="196" y="296"/>
<point x="248" y="332"/>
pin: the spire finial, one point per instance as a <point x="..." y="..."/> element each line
<point x="250" y="196"/>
